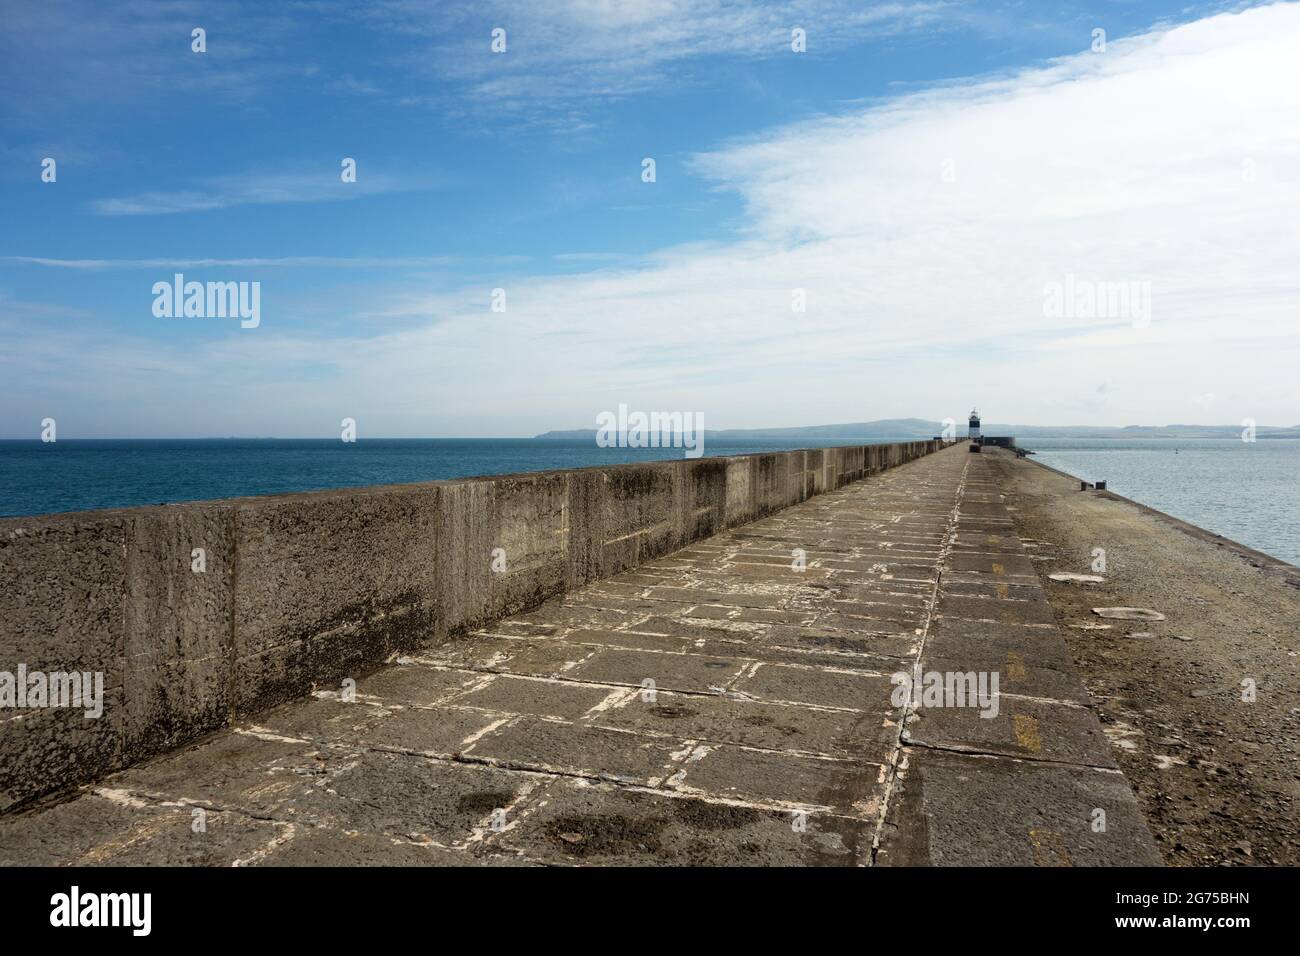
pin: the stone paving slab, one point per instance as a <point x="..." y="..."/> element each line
<point x="668" y="670"/>
<point x="964" y="810"/>
<point x="733" y="703"/>
<point x="99" y="829"/>
<point x="751" y="723"/>
<point x="841" y="786"/>
<point x="577" y="823"/>
<point x="1023" y="727"/>
<point x="561" y="747"/>
<point x="819" y="686"/>
<point x="987" y="642"/>
<point x="564" y="700"/>
<point x="1016" y="678"/>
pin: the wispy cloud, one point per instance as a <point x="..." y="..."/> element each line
<point x="318" y="183"/>
<point x="61" y="56"/>
<point x="566" y="55"/>
<point x="305" y="262"/>
<point x="68" y="58"/>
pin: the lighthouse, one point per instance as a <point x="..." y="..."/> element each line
<point x="974" y="433"/>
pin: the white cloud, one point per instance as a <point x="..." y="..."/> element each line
<point x="924" y="295"/>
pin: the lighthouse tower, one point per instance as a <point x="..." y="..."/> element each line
<point x="974" y="433"/>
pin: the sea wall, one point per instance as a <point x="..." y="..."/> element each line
<point x="201" y="615"/>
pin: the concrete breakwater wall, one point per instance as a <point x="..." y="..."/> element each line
<point x="201" y="615"/>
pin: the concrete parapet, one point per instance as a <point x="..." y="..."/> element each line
<point x="199" y="615"/>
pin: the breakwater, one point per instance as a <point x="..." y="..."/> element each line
<point x="204" y="614"/>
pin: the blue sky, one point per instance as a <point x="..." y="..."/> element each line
<point x="775" y="170"/>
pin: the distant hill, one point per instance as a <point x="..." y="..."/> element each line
<point x="911" y="429"/>
<point x="894" y="429"/>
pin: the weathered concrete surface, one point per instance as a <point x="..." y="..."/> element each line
<point x="1216" y="776"/>
<point x="1036" y="784"/>
<point x="292" y="591"/>
<point x="725" y="703"/>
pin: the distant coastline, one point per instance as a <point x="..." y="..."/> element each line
<point x="911" y="429"/>
<point x="882" y="430"/>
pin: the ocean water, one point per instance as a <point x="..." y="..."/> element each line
<point x="1246" y="491"/>
<point x="73" y="475"/>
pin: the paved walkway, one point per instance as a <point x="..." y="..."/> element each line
<point x="730" y="704"/>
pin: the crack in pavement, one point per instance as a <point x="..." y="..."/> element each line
<point x="892" y="777"/>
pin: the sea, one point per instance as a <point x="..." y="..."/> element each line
<point x="76" y="474"/>
<point x="1249" y="492"/>
<point x="1246" y="491"/>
